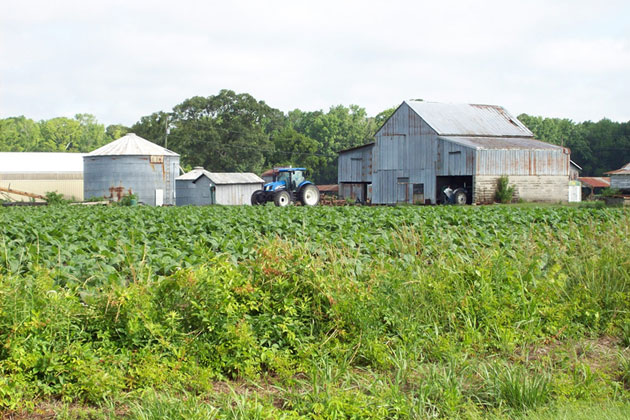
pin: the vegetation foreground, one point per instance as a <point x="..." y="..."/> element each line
<point x="320" y="313"/>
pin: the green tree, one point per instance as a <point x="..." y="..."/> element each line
<point x="19" y="134"/>
<point x="224" y="132"/>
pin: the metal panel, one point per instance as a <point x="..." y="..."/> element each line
<point x="620" y="181"/>
<point x="355" y="165"/>
<point x="190" y="193"/>
<point x="132" y="145"/>
<point x="114" y="176"/>
<point x="236" y="194"/>
<point x="469" y="119"/>
<point x="522" y="162"/>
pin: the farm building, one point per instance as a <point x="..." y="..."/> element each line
<point x="131" y="165"/>
<point x="200" y="187"/>
<point x="424" y="147"/>
<point x="593" y="185"/>
<point x="620" y="178"/>
<point x="354" y="172"/>
<point x="39" y="173"/>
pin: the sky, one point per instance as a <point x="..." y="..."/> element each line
<point x="121" y="60"/>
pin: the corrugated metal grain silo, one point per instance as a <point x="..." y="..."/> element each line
<point x="128" y="165"/>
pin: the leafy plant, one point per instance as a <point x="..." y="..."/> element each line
<point x="505" y="192"/>
<point x="54" y="198"/>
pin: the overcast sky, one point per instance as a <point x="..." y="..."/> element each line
<point x="120" y="60"/>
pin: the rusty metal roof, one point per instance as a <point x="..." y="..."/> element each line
<point x="624" y="170"/>
<point x="502" y="143"/>
<point x="595" y="182"/>
<point x="469" y="119"/>
<point x="131" y="145"/>
<point x="40" y="162"/>
<point x="219" y="178"/>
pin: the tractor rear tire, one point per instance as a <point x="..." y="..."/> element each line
<point x="460" y="197"/>
<point x="309" y="195"/>
<point x="258" y="198"/>
<point x="282" y="198"/>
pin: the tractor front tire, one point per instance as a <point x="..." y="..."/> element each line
<point x="282" y="198"/>
<point x="309" y="195"/>
<point x="460" y="197"/>
<point x="258" y="198"/>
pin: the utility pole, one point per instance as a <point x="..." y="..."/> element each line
<point x="166" y="132"/>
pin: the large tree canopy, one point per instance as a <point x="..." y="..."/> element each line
<point x="236" y="132"/>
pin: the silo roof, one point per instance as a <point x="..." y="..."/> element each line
<point x="40" y="162"/>
<point x="469" y="119"/>
<point x="219" y="178"/>
<point x="131" y="144"/>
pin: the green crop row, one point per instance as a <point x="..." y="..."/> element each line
<point x="320" y="313"/>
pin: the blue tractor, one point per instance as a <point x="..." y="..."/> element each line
<point x="288" y="186"/>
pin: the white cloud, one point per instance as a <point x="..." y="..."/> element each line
<point x="121" y="60"/>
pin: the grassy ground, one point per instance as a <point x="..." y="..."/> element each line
<point x="457" y="313"/>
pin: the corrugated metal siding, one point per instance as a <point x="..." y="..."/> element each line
<point x="522" y="162"/>
<point x="620" y="181"/>
<point x="236" y="194"/>
<point x="454" y="159"/>
<point x="191" y="193"/>
<point x="405" y="148"/>
<point x="135" y="173"/>
<point x="355" y="165"/>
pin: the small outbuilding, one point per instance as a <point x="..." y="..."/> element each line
<point x="620" y="178"/>
<point x="131" y="165"/>
<point x="593" y="185"/>
<point x="200" y="187"/>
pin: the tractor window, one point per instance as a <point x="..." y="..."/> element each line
<point x="283" y="176"/>
<point x="298" y="177"/>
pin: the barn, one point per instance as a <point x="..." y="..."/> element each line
<point x="200" y="187"/>
<point x="425" y="146"/>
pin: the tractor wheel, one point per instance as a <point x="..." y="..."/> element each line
<point x="309" y="195"/>
<point x="282" y="198"/>
<point x="459" y="197"/>
<point x="258" y="197"/>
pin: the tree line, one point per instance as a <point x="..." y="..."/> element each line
<point x="236" y="132"/>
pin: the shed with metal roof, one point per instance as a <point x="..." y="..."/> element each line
<point x="425" y="146"/>
<point x="200" y="187"/>
<point x="41" y="172"/>
<point x="620" y="178"/>
<point x="131" y="165"/>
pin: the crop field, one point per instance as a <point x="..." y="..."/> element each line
<point x="315" y="313"/>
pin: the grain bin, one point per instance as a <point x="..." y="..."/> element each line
<point x="131" y="165"/>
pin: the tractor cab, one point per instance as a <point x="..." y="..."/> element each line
<point x="288" y="185"/>
<point x="286" y="178"/>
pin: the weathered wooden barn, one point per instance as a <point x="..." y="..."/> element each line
<point x="620" y="178"/>
<point x="200" y="187"/>
<point x="425" y="146"/>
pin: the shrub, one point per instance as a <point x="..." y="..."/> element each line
<point x="505" y="192"/>
<point x="54" y="198"/>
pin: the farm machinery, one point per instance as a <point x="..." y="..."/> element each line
<point x="289" y="185"/>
